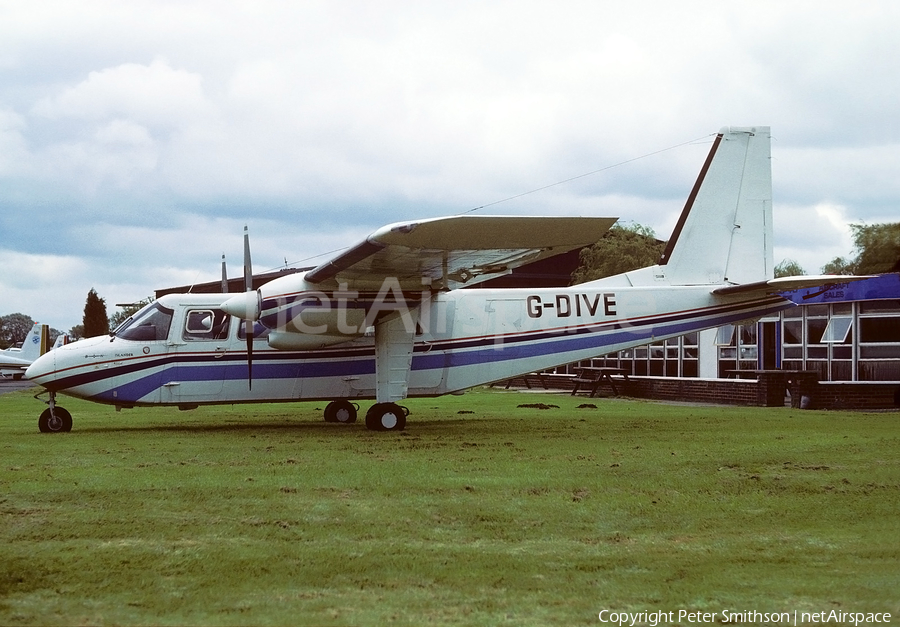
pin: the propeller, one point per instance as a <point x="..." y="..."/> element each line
<point x="248" y="323"/>
<point x="224" y="276"/>
<point x="246" y="306"/>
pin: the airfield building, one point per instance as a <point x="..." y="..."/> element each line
<point x="846" y="339"/>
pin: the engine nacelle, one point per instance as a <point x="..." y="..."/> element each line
<point x="328" y="318"/>
<point x="304" y="341"/>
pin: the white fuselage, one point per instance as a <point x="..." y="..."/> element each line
<point x="469" y="337"/>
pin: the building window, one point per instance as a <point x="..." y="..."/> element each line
<point x="879" y="340"/>
<point x="725" y="335"/>
<point x="837" y="330"/>
<point x="737" y="347"/>
<point x="848" y="341"/>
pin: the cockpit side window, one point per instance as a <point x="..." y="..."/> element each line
<point x="149" y="324"/>
<point x="205" y="324"/>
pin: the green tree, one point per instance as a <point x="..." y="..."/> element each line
<point x="14" y="328"/>
<point x="788" y="267"/>
<point x="126" y="311"/>
<point x="54" y="333"/>
<point x="95" y="320"/>
<point x="839" y="265"/>
<point x="621" y="249"/>
<point x="877" y="248"/>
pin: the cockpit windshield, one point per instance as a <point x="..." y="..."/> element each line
<point x="149" y="324"/>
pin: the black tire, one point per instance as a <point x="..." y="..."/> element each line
<point x="341" y="411"/>
<point x="386" y="417"/>
<point x="61" y="424"/>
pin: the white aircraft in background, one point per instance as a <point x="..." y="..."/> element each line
<point x="384" y="320"/>
<point x="14" y="361"/>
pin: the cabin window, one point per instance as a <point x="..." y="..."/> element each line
<point x="149" y="324"/>
<point x="205" y="324"/>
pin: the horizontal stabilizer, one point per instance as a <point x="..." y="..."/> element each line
<point x="786" y="284"/>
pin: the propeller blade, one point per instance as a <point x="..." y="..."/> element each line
<point x="249" y="332"/>
<point x="248" y="269"/>
<point x="224" y="276"/>
<point x="248" y="287"/>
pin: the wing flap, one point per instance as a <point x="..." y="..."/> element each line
<point x="458" y="250"/>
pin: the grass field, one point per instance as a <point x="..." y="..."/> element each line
<point x="480" y="513"/>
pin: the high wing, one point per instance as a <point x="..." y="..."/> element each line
<point x="454" y="251"/>
<point x="786" y="284"/>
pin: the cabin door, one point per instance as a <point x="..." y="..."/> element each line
<point x="197" y="351"/>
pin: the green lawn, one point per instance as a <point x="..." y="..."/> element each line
<point x="481" y="512"/>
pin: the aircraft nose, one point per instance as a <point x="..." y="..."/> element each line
<point x="40" y="368"/>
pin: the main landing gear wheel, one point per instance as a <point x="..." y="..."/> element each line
<point x="57" y="421"/>
<point x="386" y="417"/>
<point x="341" y="411"/>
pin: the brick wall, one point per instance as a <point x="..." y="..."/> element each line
<point x="764" y="393"/>
<point x="717" y="391"/>
<point x="847" y="395"/>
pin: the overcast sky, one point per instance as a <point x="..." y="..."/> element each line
<point x="137" y="138"/>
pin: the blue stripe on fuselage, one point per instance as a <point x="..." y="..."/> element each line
<point x="357" y="361"/>
<point x="499" y="348"/>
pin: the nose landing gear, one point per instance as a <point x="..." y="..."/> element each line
<point x="54" y="419"/>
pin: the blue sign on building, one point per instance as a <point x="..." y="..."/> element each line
<point x="877" y="287"/>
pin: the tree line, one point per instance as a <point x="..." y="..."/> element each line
<point x="876" y="250"/>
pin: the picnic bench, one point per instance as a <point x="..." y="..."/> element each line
<point x="527" y="379"/>
<point x="592" y="378"/>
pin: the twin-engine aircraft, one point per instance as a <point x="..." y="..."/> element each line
<point x="385" y="319"/>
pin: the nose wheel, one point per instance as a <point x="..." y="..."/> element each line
<point x="54" y="419"/>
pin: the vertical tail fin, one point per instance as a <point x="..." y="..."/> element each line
<point x="35" y="343"/>
<point x="724" y="234"/>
